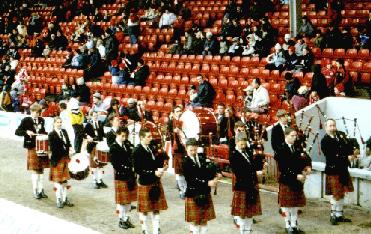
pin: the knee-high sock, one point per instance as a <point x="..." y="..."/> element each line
<point x="182" y="184"/>
<point x="333" y="203"/>
<point x="64" y="192"/>
<point x="293" y="216"/>
<point x="34" y="179"/>
<point x="58" y="190"/>
<point x="155" y="223"/>
<point x="195" y="229"/>
<point x="40" y="183"/>
<point x="245" y="225"/>
<point x="99" y="174"/>
<point x="285" y="210"/>
<point x="123" y="212"/>
<point x="203" y="229"/>
<point x="128" y="208"/>
<point x="144" y="222"/>
<point x="95" y="175"/>
<point x="339" y="207"/>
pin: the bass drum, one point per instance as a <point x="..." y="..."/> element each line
<point x="79" y="166"/>
<point x="134" y="130"/>
<point x="198" y="123"/>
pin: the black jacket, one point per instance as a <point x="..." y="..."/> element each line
<point x="145" y="166"/>
<point x="141" y="75"/>
<point x="27" y="123"/>
<point x="336" y="151"/>
<point x="205" y="95"/>
<point x="96" y="135"/>
<point x="197" y="177"/>
<point x="222" y="125"/>
<point x="290" y="164"/>
<point x="122" y="161"/>
<point x="58" y="147"/>
<point x="244" y="170"/>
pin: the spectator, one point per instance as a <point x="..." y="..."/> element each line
<point x="313" y="97"/>
<point x="178" y="28"/>
<point x="175" y="48"/>
<point x="292" y="85"/>
<point x="111" y="45"/>
<point x="248" y="98"/>
<point x="223" y="46"/>
<point x="260" y="100"/>
<point x="77" y="60"/>
<point x="98" y="105"/>
<point x="346" y="40"/>
<point x="94" y="68"/>
<point x="206" y="93"/>
<point x="114" y="70"/>
<point x="329" y="72"/>
<point x="141" y="73"/>
<point x="332" y="37"/>
<point x="299" y="100"/>
<point x="306" y="60"/>
<point x="133" y="28"/>
<point x="319" y="84"/>
<point x="249" y="48"/>
<point x="299" y="46"/>
<point x="343" y="82"/>
<point x="131" y="111"/>
<point x="124" y="75"/>
<point x="187" y="48"/>
<point x="15" y="100"/>
<point x="61" y="42"/>
<point x="198" y="43"/>
<point x="101" y="49"/>
<point x="291" y="59"/>
<point x="46" y="51"/>
<point x="306" y="29"/>
<point x="276" y="60"/>
<point x="150" y="14"/>
<point x="210" y="45"/>
<point x="319" y="40"/>
<point x="167" y="19"/>
<point x="82" y="92"/>
<point x="235" y="49"/>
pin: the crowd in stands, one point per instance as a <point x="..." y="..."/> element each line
<point x="97" y="49"/>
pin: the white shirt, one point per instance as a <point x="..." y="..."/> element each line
<point x="167" y="19"/>
<point x="260" y="97"/>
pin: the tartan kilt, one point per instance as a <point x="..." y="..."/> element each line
<point x="177" y="160"/>
<point x="94" y="164"/>
<point x="242" y="208"/>
<point x="289" y="198"/>
<point x="60" y="173"/>
<point x="122" y="193"/>
<point x="144" y="202"/>
<point x="36" y="163"/>
<point x="337" y="189"/>
<point x="196" y="214"/>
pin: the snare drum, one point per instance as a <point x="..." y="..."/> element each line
<point x="42" y="146"/>
<point x="102" y="151"/>
<point x="198" y="123"/>
<point x="79" y="166"/>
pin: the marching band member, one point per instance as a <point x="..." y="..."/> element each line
<point x="199" y="208"/>
<point x="337" y="151"/>
<point x="222" y="122"/>
<point x="174" y="128"/>
<point x="29" y="128"/>
<point x="293" y="167"/>
<point x="150" y="169"/>
<point x="246" y="198"/>
<point x="125" y="184"/>
<point x="94" y="133"/>
<point x="60" y="148"/>
<point x="278" y="130"/>
<point x="115" y="122"/>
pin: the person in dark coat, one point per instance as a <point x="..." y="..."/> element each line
<point x="94" y="133"/>
<point x="292" y="85"/>
<point x="338" y="152"/>
<point x="319" y="82"/>
<point x="246" y="198"/>
<point x="293" y="165"/>
<point x="150" y="169"/>
<point x="278" y="136"/>
<point x="125" y="184"/>
<point x="199" y="207"/>
<point x="115" y="122"/>
<point x="82" y="91"/>
<point x="141" y="73"/>
<point x="206" y="93"/>
<point x="29" y="128"/>
<point x="59" y="144"/>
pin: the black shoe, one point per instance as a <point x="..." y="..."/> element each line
<point x="159" y="231"/>
<point x="96" y="186"/>
<point x="129" y="224"/>
<point x="68" y="203"/>
<point x="254" y="221"/>
<point x="43" y="195"/>
<point x="102" y="185"/>
<point x="60" y="204"/>
<point x="343" y="219"/>
<point x="296" y="230"/>
<point x="37" y="196"/>
<point x="132" y="207"/>
<point x="123" y="224"/>
<point x="291" y="230"/>
<point x="333" y="220"/>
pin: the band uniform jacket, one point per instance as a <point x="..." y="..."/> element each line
<point x="27" y="123"/>
<point x="111" y="137"/>
<point x="96" y="134"/>
<point x="290" y="164"/>
<point x="197" y="177"/>
<point x="121" y="159"/>
<point x="244" y="169"/>
<point x="58" y="147"/>
<point x="145" y="165"/>
<point x="336" y="151"/>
